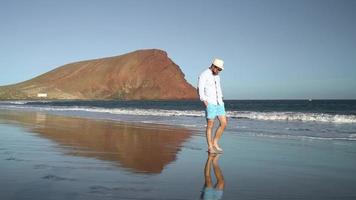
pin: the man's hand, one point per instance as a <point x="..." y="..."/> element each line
<point x="206" y="103"/>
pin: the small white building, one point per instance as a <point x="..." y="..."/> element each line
<point x="42" y="95"/>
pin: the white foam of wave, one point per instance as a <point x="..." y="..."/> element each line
<point x="21" y="102"/>
<point x="16" y="102"/>
<point x="295" y="116"/>
<point x="150" y="112"/>
<point x="302" y="137"/>
<point x="268" y="116"/>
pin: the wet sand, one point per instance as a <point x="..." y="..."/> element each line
<point x="44" y="156"/>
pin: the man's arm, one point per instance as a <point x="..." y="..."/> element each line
<point x="201" y="87"/>
<point x="220" y="90"/>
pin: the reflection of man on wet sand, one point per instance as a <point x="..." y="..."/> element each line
<point x="211" y="192"/>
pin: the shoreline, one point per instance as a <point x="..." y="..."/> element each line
<point x="140" y="121"/>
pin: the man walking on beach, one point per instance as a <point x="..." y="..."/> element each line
<point x="210" y="93"/>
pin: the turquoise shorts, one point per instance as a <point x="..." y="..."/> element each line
<point x="212" y="194"/>
<point x="214" y="110"/>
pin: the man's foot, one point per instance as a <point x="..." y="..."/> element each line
<point x="216" y="146"/>
<point x="218" y="149"/>
<point x="212" y="150"/>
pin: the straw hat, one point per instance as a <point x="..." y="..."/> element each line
<point x="218" y="63"/>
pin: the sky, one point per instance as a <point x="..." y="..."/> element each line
<point x="272" y="49"/>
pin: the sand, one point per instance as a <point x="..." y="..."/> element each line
<point x="44" y="156"/>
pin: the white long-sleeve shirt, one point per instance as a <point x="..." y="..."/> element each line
<point x="209" y="88"/>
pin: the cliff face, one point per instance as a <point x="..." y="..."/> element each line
<point x="143" y="74"/>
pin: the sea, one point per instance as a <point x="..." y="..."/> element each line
<point x="294" y="119"/>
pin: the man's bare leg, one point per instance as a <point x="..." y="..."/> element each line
<point x="219" y="131"/>
<point x="209" y="127"/>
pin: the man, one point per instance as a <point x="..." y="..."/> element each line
<point x="210" y="93"/>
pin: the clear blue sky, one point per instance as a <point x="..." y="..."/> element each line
<point x="273" y="49"/>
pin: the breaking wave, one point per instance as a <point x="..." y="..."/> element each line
<point x="295" y="116"/>
<point x="268" y="116"/>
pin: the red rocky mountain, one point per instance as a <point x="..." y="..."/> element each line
<point x="139" y="75"/>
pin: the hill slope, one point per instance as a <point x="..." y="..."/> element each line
<point x="143" y="74"/>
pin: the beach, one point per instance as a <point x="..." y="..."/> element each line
<point x="46" y="156"/>
<point x="114" y="100"/>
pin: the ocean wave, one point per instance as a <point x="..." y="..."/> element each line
<point x="22" y="102"/>
<point x="15" y="102"/>
<point x="295" y="116"/>
<point x="298" y="129"/>
<point x="302" y="137"/>
<point x="267" y="116"/>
